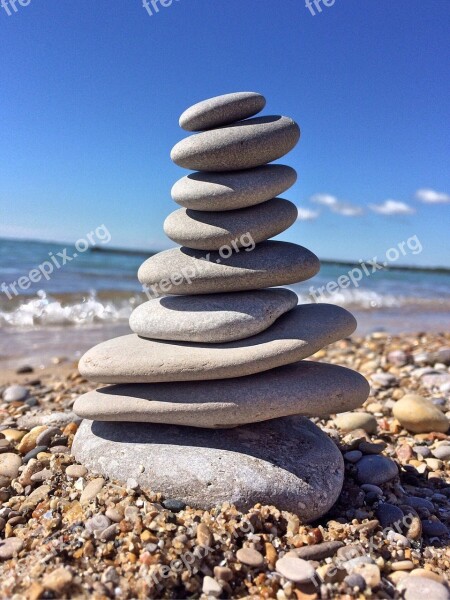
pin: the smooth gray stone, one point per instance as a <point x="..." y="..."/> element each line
<point x="222" y="110"/>
<point x="211" y="318"/>
<point x="244" y="145"/>
<point x="186" y="271"/>
<point x="376" y="469"/>
<point x="213" y="230"/>
<point x="296" y="335"/>
<point x="232" y="190"/>
<point x="289" y="463"/>
<point x="305" y="388"/>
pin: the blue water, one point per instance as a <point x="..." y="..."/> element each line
<point x="95" y="292"/>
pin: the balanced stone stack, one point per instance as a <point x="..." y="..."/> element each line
<point x="212" y="390"/>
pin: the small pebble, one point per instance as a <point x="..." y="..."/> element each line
<point x="376" y="469"/>
<point x="92" y="489"/>
<point x="174" y="505"/>
<point x="250" y="557"/>
<point x="76" y="471"/>
<point x="15" y="393"/>
<point x="211" y="587"/>
<point x="10" y="547"/>
<point x="353" y="456"/>
<point x="420" y="588"/>
<point x="295" y="569"/>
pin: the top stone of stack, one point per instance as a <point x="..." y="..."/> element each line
<point x="222" y="110"/>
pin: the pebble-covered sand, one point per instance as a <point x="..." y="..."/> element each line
<point x="66" y="533"/>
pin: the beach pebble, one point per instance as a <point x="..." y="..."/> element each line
<point x="289" y="462"/>
<point x="372" y="447"/>
<point x="15" y="393"/>
<point x="319" y="551"/>
<point x="174" y="505"/>
<point x="250" y="557"/>
<point x="92" y="489"/>
<point x="370" y="573"/>
<point x="418" y="588"/>
<point x="295" y="569"/>
<point x="427" y="574"/>
<point x="435" y="380"/>
<point x="442" y="452"/>
<point x="418" y="503"/>
<point x="98" y="522"/>
<point x="397" y="358"/>
<point x="384" y="379"/>
<point x="353" y="456"/>
<point x="181" y="271"/>
<point x="356" y="581"/>
<point x="204" y="536"/>
<point x="233" y="229"/>
<point x="368" y="487"/>
<point x="10" y="547"/>
<point x="376" y="469"/>
<point x="211" y="588"/>
<point x="34" y="453"/>
<point x="76" y="471"/>
<point x="232" y="190"/>
<point x="356" y="420"/>
<point x="423" y="451"/>
<point x="58" y="580"/>
<point x="434" y="528"/>
<point x="294" y="336"/>
<point x="42" y="475"/>
<point x="9" y="467"/>
<point x="221" y="110"/>
<point x="211" y="318"/>
<point x="258" y="141"/>
<point x="29" y="441"/>
<point x="45" y="437"/>
<point x="388" y="514"/>
<point x="419" y="415"/>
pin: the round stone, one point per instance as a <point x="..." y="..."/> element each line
<point x="418" y="588"/>
<point x="389" y="515"/>
<point x="376" y="469"/>
<point x="418" y="415"/>
<point x="289" y="462"/>
<point x="15" y="393"/>
<point x="213" y="230"/>
<point x="9" y="467"/>
<point x="296" y="335"/>
<point x="442" y="452"/>
<point x="250" y="557"/>
<point x="306" y="388"/>
<point x="185" y="271"/>
<point x="222" y="110"/>
<point x="357" y="420"/>
<point x="10" y="547"/>
<point x="243" y="145"/>
<point x="295" y="569"/>
<point x="232" y="190"/>
<point x="211" y="318"/>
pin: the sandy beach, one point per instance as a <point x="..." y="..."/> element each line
<point x="74" y="534"/>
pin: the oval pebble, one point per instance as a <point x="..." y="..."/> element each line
<point x="93" y="488"/>
<point x="15" y="393"/>
<point x="232" y="190"/>
<point x="221" y="110"/>
<point x="203" y="230"/>
<point x="244" y="145"/>
<point x="76" y="471"/>
<point x="418" y="588"/>
<point x="10" y="547"/>
<point x="376" y="469"/>
<point x="295" y="569"/>
<point x="250" y="557"/>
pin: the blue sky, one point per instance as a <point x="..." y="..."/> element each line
<point x="91" y="94"/>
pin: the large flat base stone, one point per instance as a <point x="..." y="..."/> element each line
<point x="288" y="462"/>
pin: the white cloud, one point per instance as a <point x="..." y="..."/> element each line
<point x="431" y="196"/>
<point x="341" y="208"/>
<point x="392" y="207"/>
<point x="305" y="214"/>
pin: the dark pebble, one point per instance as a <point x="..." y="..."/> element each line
<point x="319" y="551"/>
<point x="33" y="453"/>
<point x="355" y="581"/>
<point x="31" y="402"/>
<point x="371" y="497"/>
<point x="24" y="369"/>
<point x="419" y="503"/>
<point x="389" y="514"/>
<point x="59" y="441"/>
<point x="174" y="505"/>
<point x="434" y="528"/>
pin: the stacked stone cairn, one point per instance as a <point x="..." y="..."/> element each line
<point x="211" y="392"/>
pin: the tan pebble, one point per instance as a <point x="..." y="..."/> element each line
<point x="204" y="535"/>
<point x="38" y="495"/>
<point x="57" y="580"/>
<point x="71" y="428"/>
<point x="9" y="466"/>
<point x="76" y="471"/>
<point x="35" y="591"/>
<point x="402" y="565"/>
<point x="250" y="557"/>
<point x="271" y="554"/>
<point x="428" y="574"/>
<point x="91" y="490"/>
<point x="370" y="574"/>
<point x="28" y="442"/>
<point x="295" y="569"/>
<point x="329" y="573"/>
<point x="397" y="576"/>
<point x="13" y="435"/>
<point x="33" y="466"/>
<point x="114" y="513"/>
<point x="434" y="463"/>
<point x="223" y="573"/>
<point x="420" y="415"/>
